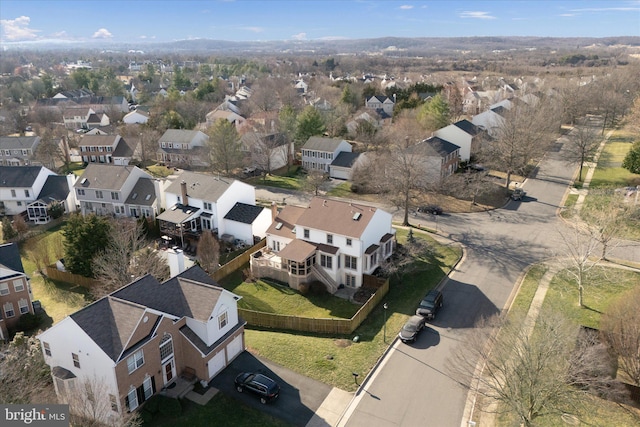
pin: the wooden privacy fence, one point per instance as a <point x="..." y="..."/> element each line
<point x="237" y="262"/>
<point x="53" y="273"/>
<point x="315" y="325"/>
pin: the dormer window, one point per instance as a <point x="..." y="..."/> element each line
<point x="223" y="320"/>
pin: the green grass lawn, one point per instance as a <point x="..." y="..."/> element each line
<point x="527" y="290"/>
<point x="220" y="411"/>
<point x="333" y="359"/>
<point x="605" y="285"/>
<point x="609" y="172"/>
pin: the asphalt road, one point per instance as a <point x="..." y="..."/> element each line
<point x="412" y="387"/>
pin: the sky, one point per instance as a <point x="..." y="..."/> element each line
<point x="141" y="21"/>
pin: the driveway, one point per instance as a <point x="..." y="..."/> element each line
<point x="300" y="396"/>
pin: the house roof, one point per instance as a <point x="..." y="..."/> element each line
<point x="288" y="217"/>
<point x="18" y="142"/>
<point x="105" y="177"/>
<point x="337" y="217"/>
<point x="380" y="98"/>
<point x="244" y="213"/>
<point x="201" y="186"/>
<point x="179" y="213"/>
<point x="192" y="293"/>
<point x="143" y="193"/>
<point x="10" y="258"/>
<point x="55" y="189"/>
<point x="434" y="147"/>
<point x="99" y="140"/>
<point x="319" y="143"/>
<point x="468" y="127"/>
<point x="345" y="159"/>
<point x="297" y="250"/>
<point x="182" y="136"/>
<point x="18" y="176"/>
<point x="201" y="345"/>
<point x="125" y="148"/>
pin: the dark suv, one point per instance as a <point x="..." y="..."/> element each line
<point x="430" y="304"/>
<point x="261" y="385"/>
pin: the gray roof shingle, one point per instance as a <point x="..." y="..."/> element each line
<point x="345" y="159"/>
<point x="18" y="176"/>
<point x="244" y="213"/>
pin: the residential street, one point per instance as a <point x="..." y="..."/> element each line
<point x="411" y="385"/>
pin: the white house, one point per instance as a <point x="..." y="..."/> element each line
<point x="344" y="164"/>
<point x="18" y="150"/>
<point x="380" y="102"/>
<point x="183" y="147"/>
<point x="136" y="117"/>
<point x="266" y="151"/>
<point x="138" y="340"/>
<point x="21" y="186"/>
<point x="490" y="120"/>
<point x="332" y="241"/>
<point x="196" y="202"/>
<point x="465" y="135"/>
<point x="318" y="152"/>
<point x="247" y="223"/>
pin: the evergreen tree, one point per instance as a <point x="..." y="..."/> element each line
<point x="309" y="124"/>
<point x="8" y="232"/>
<point x="631" y="161"/>
<point x="85" y="236"/>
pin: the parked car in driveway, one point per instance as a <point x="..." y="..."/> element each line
<point x="258" y="384"/>
<point x="430" y="304"/>
<point x="410" y="330"/>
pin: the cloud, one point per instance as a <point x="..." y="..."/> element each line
<point x="18" y="29"/>
<point x="567" y="14"/>
<point x="608" y="9"/>
<point x="406" y="7"/>
<point x="476" y="15"/>
<point x="102" y="33"/>
<point x="253" y="29"/>
<point x="299" y="36"/>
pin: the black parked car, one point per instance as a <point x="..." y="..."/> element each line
<point x="410" y="330"/>
<point x="261" y="385"/>
<point x="432" y="209"/>
<point x="430" y="304"/>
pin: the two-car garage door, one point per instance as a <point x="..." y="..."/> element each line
<point x="219" y="361"/>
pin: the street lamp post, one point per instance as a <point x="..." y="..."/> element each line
<point x="384" y="327"/>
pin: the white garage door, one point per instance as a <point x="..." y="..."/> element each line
<point x="216" y="364"/>
<point x="234" y="348"/>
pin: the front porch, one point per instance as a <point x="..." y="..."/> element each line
<point x="181" y="386"/>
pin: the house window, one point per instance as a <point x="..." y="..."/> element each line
<point x="99" y="194"/>
<point x="80" y="192"/>
<point x="166" y="348"/>
<point x="19" y="203"/>
<point x="330" y="239"/>
<point x="222" y="320"/>
<point x="147" y="389"/>
<point x="115" y="195"/>
<point x="306" y="233"/>
<point x="114" y="403"/>
<point x="135" y="361"/>
<point x="350" y="280"/>
<point x="326" y="261"/>
<point x="26" y="193"/>
<point x="374" y="259"/>
<point x="349" y="242"/>
<point x="207" y="206"/>
<point x="132" y="398"/>
<point x="23" y="306"/>
<point x="8" y="310"/>
<point x="47" y="348"/>
<point x="76" y="360"/>
<point x="350" y="262"/>
<point x="4" y="289"/>
<point x="275" y="245"/>
<point x="13" y="193"/>
<point x="18" y="285"/>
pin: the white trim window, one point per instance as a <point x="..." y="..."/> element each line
<point x="8" y="310"/>
<point x="4" y="289"/>
<point x="223" y="319"/>
<point x="18" y="285"/>
<point x="135" y="361"/>
<point x="23" y="306"/>
<point x="132" y="398"/>
<point x="166" y="348"/>
<point x="147" y="388"/>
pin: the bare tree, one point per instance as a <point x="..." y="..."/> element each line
<point x="608" y="213"/>
<point x="316" y="181"/>
<point x="126" y="257"/>
<point x="582" y="145"/>
<point x="528" y="368"/>
<point x="24" y="377"/>
<point x="524" y="135"/>
<point x="405" y="176"/>
<point x="620" y="327"/>
<point x="580" y="249"/>
<point x="208" y="252"/>
<point x="90" y="405"/>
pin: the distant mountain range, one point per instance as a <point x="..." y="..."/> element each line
<point x="385" y="45"/>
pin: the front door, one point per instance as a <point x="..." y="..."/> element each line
<point x="169" y="371"/>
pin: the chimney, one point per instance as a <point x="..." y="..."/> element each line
<point x="185" y="198"/>
<point x="274" y="211"/>
<point x="176" y="261"/>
